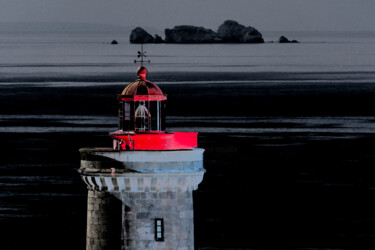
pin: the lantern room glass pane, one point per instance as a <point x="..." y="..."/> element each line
<point x="155" y="113"/>
<point x="163" y="112"/>
<point x="142" y="116"/>
<point x="127" y="111"/>
<point x="121" y="116"/>
<point x="126" y="116"/>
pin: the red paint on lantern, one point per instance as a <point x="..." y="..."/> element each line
<point x="154" y="141"/>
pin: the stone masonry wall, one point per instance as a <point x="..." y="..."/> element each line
<point x="145" y="186"/>
<point x="141" y="209"/>
<point x="104" y="214"/>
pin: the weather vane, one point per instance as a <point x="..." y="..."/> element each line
<point x="142" y="55"/>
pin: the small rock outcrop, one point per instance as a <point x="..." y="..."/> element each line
<point x="139" y="35"/>
<point x="251" y="35"/>
<point x="283" y="39"/>
<point x="233" y="32"/>
<point x="190" y="34"/>
<point x="229" y="32"/>
<point x="158" y="39"/>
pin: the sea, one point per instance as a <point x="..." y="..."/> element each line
<point x="288" y="132"/>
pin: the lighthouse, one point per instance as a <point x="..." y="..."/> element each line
<point x="140" y="191"/>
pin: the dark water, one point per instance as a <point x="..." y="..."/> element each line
<point x="289" y="158"/>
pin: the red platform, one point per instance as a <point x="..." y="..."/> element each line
<point x="154" y="141"/>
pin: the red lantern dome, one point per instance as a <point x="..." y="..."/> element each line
<point x="142" y="107"/>
<point x="141" y="86"/>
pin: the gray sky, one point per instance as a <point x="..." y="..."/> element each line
<point x="262" y="14"/>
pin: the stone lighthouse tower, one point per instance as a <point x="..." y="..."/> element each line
<point x="140" y="191"/>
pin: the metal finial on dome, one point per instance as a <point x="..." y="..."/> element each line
<point x="142" y="72"/>
<point x="141" y="54"/>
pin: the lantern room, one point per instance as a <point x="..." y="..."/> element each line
<point x="141" y="119"/>
<point x="142" y="106"/>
